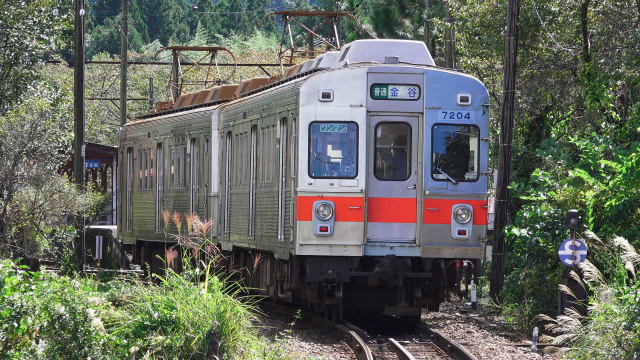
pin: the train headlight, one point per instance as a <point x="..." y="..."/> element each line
<point x="462" y="214"/>
<point x="324" y="211"/>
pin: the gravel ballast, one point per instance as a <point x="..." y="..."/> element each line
<point x="485" y="337"/>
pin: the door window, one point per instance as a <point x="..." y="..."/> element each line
<point x="392" y="151"/>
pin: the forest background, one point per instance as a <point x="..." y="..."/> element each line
<point x="576" y="137"/>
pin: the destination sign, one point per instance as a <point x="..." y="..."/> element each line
<point x="333" y="128"/>
<point x="395" y="92"/>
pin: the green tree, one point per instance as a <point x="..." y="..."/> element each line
<point x="31" y="31"/>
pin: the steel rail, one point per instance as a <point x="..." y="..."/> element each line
<point x="401" y="351"/>
<point x="355" y="342"/>
<point x="457" y="351"/>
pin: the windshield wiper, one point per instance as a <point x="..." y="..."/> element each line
<point x="447" y="175"/>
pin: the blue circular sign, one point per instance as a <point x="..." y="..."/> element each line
<point x="572" y="252"/>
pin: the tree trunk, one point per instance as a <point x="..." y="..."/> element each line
<point x="584" y="26"/>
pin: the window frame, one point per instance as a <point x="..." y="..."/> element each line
<point x="431" y="154"/>
<point x="410" y="147"/>
<point x="357" y="147"/>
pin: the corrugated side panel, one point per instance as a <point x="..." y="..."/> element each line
<point x="177" y="201"/>
<point x="239" y="212"/>
<point x="267" y="215"/>
<point x="143" y="211"/>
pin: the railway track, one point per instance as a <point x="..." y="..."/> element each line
<point x="425" y="344"/>
<point x="422" y="343"/>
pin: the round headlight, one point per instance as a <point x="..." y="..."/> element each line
<point x="462" y="214"/>
<point x="324" y="211"/>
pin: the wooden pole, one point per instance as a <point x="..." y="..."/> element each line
<point x="449" y="39"/>
<point x="427" y="27"/>
<point x="78" y="96"/>
<point x="124" y="47"/>
<point x="504" y="161"/>
<point x="79" y="122"/>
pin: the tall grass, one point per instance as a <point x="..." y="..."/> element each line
<point x="611" y="328"/>
<point x="197" y="313"/>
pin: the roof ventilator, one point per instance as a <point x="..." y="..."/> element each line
<point x="391" y="59"/>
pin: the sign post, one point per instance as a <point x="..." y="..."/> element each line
<point x="99" y="245"/>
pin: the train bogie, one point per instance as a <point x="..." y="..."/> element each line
<point x="360" y="179"/>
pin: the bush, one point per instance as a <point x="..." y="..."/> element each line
<point x="47" y="317"/>
<point x="194" y="315"/>
<point x="613" y="327"/>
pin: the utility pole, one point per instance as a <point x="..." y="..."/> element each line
<point x="124" y="46"/>
<point x="78" y="116"/>
<point x="427" y="27"/>
<point x="504" y="161"/>
<point x="449" y="39"/>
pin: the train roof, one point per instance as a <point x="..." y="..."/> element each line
<point x="375" y="51"/>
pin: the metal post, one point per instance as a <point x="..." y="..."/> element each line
<point x="504" y="161"/>
<point x="152" y="99"/>
<point x="175" y="75"/>
<point x="79" y="118"/>
<point x="124" y="45"/>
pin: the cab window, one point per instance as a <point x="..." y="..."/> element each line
<point x="455" y="152"/>
<point x="333" y="150"/>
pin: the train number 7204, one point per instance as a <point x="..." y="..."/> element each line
<point x="444" y="115"/>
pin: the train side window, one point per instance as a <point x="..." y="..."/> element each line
<point x="159" y="185"/>
<point x="282" y="155"/>
<point x="392" y="156"/>
<point x="227" y="180"/>
<point x="455" y="152"/>
<point x="333" y="150"/>
<point x="129" y="187"/>
<point x="252" y="179"/>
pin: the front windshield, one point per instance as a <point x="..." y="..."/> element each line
<point x="333" y="150"/>
<point x="455" y="153"/>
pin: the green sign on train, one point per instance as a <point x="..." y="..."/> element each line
<point x="395" y="92"/>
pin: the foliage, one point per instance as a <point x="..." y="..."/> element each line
<point x="611" y="328"/>
<point x="174" y="22"/>
<point x="196" y="314"/>
<point x="29" y="30"/>
<point x="47" y="317"/>
<point x="34" y="197"/>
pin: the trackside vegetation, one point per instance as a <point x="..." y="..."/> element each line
<point x="195" y="314"/>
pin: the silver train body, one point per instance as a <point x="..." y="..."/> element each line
<point x="359" y="180"/>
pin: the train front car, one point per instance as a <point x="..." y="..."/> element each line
<point x="392" y="189"/>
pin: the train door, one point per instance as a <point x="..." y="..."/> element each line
<point x="392" y="179"/>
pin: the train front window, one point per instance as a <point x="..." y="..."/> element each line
<point x="455" y="153"/>
<point x="333" y="150"/>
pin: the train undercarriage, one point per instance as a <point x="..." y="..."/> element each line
<point x="340" y="287"/>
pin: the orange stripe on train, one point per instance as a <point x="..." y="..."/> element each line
<point x="391" y="210"/>
<point x="438" y="211"/>
<point x="347" y="208"/>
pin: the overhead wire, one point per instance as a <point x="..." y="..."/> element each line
<point x="548" y="32"/>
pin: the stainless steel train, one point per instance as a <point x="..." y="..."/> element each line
<point x="359" y="178"/>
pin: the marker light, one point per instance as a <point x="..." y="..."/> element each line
<point x="462" y="214"/>
<point x="324" y="211"/>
